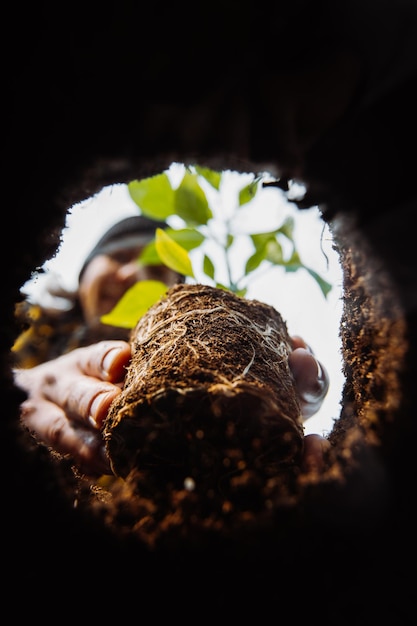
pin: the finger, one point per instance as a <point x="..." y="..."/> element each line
<point x="298" y="342"/>
<point x="82" y="398"/>
<point x="106" y="360"/>
<point x="314" y="451"/>
<point x="311" y="379"/>
<point x="52" y="428"/>
<point x="310" y="376"/>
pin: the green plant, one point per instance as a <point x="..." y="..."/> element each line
<point x="189" y="204"/>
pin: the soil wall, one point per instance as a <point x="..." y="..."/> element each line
<point x="309" y="90"/>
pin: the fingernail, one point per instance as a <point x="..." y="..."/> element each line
<point x="315" y="391"/>
<point x="315" y="449"/>
<point x="109" y="359"/>
<point x="92" y="421"/>
<point x="314" y="386"/>
<point x="99" y="407"/>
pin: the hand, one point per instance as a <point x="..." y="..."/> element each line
<point x="312" y="382"/>
<point x="311" y="377"/>
<point x="68" y="399"/>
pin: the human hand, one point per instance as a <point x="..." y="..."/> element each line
<point x="311" y="377"/>
<point x="312" y="383"/>
<point x="68" y="399"/>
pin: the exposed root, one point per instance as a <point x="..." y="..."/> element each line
<point x="209" y="401"/>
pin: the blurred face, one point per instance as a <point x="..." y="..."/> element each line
<point x="106" y="278"/>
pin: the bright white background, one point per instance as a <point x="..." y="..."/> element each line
<point x="295" y="295"/>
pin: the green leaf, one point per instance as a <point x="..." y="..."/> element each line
<point x="149" y="255"/>
<point x="154" y="196"/>
<point x="211" y="176"/>
<point x="255" y="260"/>
<point x="294" y="261"/>
<point x="239" y="292"/>
<point x="190" y="202"/>
<point x="208" y="267"/>
<point x="267" y="248"/>
<point x="323" y="284"/>
<point x="188" y="238"/>
<point x="287" y="228"/>
<point x="248" y="193"/>
<point x="134" y="303"/>
<point x="172" y="254"/>
<point x="260" y="240"/>
<point x="229" y="240"/>
<point x="273" y="252"/>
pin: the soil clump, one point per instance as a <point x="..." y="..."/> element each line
<point x="208" y="428"/>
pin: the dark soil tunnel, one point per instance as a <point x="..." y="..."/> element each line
<point x="356" y="522"/>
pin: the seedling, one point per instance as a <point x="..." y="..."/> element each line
<point x="196" y="224"/>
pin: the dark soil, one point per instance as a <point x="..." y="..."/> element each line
<point x="208" y="427"/>
<point x="347" y="557"/>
